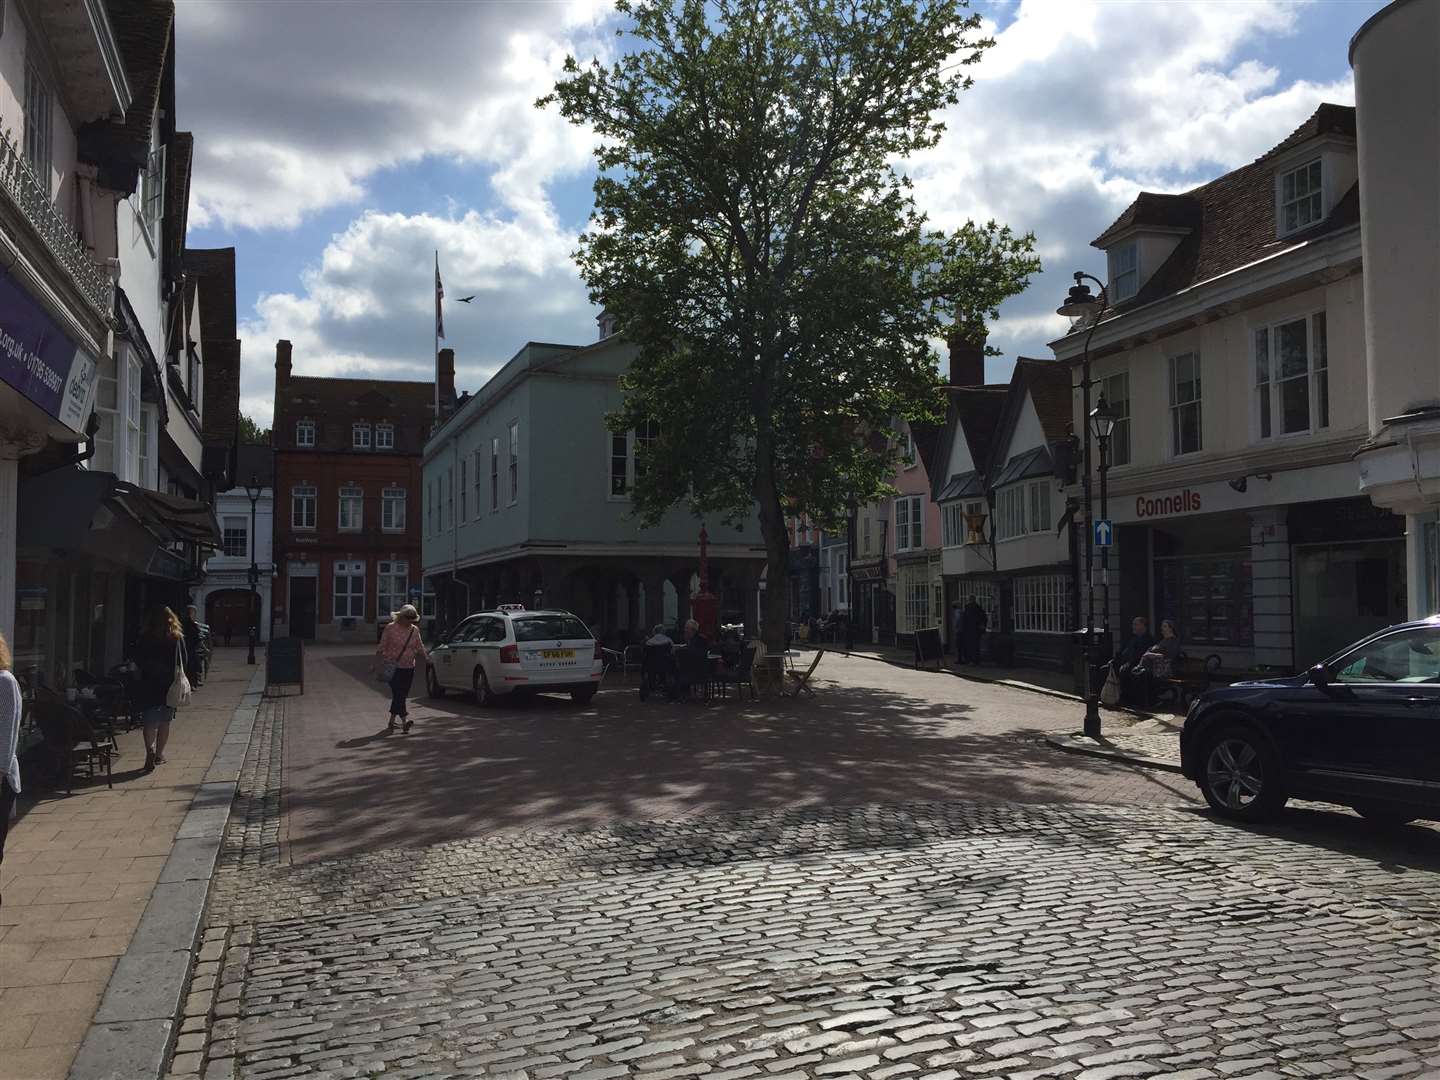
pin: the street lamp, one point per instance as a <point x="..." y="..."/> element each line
<point x="253" y="489"/>
<point x="1080" y="303"/>
<point x="1103" y="419"/>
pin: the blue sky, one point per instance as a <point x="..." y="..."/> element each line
<point x="339" y="145"/>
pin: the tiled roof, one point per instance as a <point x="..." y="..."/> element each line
<point x="143" y="30"/>
<point x="978" y="410"/>
<point x="1232" y="218"/>
<point x="334" y="404"/>
<point x="177" y="199"/>
<point x="928" y="439"/>
<point x="214" y="270"/>
<point x="1050" y="390"/>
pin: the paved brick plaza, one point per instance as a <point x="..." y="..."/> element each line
<point x="897" y="879"/>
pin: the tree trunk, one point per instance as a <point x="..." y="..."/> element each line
<point x="774" y="619"/>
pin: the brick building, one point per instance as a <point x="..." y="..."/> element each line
<point x="347" y="498"/>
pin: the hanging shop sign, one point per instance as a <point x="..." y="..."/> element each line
<point x="39" y="361"/>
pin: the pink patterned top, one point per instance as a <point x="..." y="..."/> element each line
<point x="400" y="644"/>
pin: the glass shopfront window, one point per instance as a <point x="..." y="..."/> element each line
<point x="1208" y="596"/>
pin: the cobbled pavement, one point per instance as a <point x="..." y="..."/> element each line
<point x="963" y="939"/>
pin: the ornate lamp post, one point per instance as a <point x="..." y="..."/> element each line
<point x="253" y="490"/>
<point x="1080" y="303"/>
<point x="1102" y="425"/>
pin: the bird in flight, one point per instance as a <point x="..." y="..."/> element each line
<point x="466" y="299"/>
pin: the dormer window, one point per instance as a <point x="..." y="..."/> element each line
<point x="1124" y="272"/>
<point x="1300" y="198"/>
<point x="305" y="433"/>
<point x="360" y="436"/>
<point x="384" y="436"/>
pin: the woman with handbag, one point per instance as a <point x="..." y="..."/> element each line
<point x="399" y="650"/>
<point x="161" y="686"/>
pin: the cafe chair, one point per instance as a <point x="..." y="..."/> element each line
<point x="741" y="676"/>
<point x="73" y="743"/>
<point x="657" y="665"/>
<point x="802" y="680"/>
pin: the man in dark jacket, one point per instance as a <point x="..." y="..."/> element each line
<point x="973" y="621"/>
<point x="1136" y="646"/>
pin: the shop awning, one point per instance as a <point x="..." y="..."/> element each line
<point x="93" y="513"/>
<point x="1034" y="462"/>
<point x="966" y="485"/>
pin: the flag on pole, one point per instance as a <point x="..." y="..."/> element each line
<point x="439" y="295"/>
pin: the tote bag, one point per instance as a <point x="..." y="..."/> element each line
<point x="179" y="692"/>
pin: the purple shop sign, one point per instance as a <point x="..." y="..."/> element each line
<point x="40" y="360"/>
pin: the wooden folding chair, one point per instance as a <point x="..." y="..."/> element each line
<point x="802" y="681"/>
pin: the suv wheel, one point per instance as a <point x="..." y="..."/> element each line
<point x="1242" y="777"/>
<point x="484" y="696"/>
<point x="432" y="685"/>
<point x="583" y="696"/>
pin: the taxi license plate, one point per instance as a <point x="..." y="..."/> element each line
<point x="557" y="654"/>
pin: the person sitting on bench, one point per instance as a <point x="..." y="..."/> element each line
<point x="1128" y="658"/>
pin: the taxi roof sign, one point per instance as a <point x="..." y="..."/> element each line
<point x="511" y="607"/>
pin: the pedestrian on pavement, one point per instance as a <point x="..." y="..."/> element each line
<point x="973" y="621"/>
<point x="229" y="629"/>
<point x="694" y="658"/>
<point x="160" y="657"/>
<point x="400" y="649"/>
<point x="9" y="743"/>
<point x="658" y="636"/>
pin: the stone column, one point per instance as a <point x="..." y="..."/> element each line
<point x="654" y="601"/>
<point x="1273" y="605"/>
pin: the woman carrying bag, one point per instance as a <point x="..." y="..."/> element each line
<point x="162" y="686"/>
<point x="399" y="650"/>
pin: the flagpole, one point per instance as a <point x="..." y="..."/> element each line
<point x="435" y="355"/>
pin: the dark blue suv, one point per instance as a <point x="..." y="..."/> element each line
<point x="1361" y="729"/>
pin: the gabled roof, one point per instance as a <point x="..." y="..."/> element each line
<point x="928" y="439"/>
<point x="214" y="270"/>
<point x="1232" y="218"/>
<point x="973" y="411"/>
<point x="177" y="200"/>
<point x="1049" y="384"/>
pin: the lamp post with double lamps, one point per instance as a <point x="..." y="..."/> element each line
<point x="1103" y="419"/>
<point x="253" y="489"/>
<point x="1080" y="303"/>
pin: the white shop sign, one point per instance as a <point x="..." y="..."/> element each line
<point x="1337" y="481"/>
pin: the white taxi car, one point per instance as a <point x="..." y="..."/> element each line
<point x="496" y="653"/>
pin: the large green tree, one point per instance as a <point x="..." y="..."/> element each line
<point x="755" y="239"/>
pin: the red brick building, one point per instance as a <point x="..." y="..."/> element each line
<point x="347" y="498"/>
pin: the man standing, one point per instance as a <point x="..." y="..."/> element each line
<point x="194" y="666"/>
<point x="973" y="621"/>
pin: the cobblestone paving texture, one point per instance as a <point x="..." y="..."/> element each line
<point x="939" y="939"/>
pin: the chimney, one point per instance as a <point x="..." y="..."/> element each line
<point x="967" y="360"/>
<point x="282" y="363"/>
<point x="447" y="377"/>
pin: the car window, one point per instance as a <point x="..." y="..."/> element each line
<point x="1412" y="656"/>
<point x="463" y="632"/>
<point x="493" y="630"/>
<point x="549" y="628"/>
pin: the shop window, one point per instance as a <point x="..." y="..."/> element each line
<point x="349" y="589"/>
<point x="392" y="509"/>
<point x="1185" y="404"/>
<point x="235" y="537"/>
<point x="352" y="509"/>
<point x="909" y="523"/>
<point x="1116" y="389"/>
<point x="384" y="436"/>
<point x="305" y="433"/>
<point x="1292" y="385"/>
<point x="302" y="506"/>
<point x="1041" y="604"/>
<point x="392" y="586"/>
<point x="1208" y="598"/>
<point x="915" y="611"/>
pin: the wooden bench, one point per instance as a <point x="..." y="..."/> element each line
<point x="1186" y="682"/>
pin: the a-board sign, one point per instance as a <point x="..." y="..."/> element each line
<point x="285" y="662"/>
<point x="929" y="649"/>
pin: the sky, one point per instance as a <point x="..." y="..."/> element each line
<point x="340" y="144"/>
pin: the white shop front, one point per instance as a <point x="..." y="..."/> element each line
<point x="1274" y="572"/>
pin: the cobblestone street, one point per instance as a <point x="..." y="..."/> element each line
<point x="1043" y="915"/>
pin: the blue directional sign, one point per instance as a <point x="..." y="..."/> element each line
<point x="1104" y="532"/>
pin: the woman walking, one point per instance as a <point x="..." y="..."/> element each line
<point x="160" y="656"/>
<point x="399" y="650"/>
<point x="9" y="742"/>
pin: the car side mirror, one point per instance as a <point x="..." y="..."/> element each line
<point x="1320" y="676"/>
